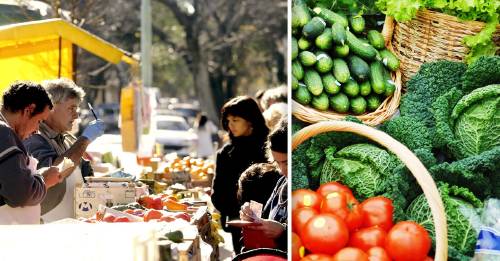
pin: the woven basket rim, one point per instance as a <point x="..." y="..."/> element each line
<point x="417" y="169"/>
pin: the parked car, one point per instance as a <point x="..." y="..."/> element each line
<point x="174" y="134"/>
<point x="187" y="110"/>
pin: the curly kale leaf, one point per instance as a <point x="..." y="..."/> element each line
<point x="484" y="71"/>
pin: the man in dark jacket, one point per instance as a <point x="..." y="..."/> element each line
<point x="22" y="187"/>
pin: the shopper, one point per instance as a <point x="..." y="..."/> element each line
<point x="257" y="183"/>
<point x="54" y="142"/>
<point x="273" y="224"/>
<point x="22" y="187"/>
<point x="241" y="117"/>
<point x="205" y="130"/>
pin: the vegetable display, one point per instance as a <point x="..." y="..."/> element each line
<point x="339" y="64"/>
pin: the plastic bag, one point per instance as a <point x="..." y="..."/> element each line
<point x="488" y="242"/>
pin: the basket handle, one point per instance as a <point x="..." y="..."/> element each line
<point x="388" y="29"/>
<point x="418" y="170"/>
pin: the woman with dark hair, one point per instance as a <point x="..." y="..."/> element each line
<point x="241" y="117"/>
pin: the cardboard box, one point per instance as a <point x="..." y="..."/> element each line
<point x="89" y="197"/>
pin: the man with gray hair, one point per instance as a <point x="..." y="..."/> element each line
<point x="53" y="143"/>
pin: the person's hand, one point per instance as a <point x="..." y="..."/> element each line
<point x="246" y="213"/>
<point x="94" y="130"/>
<point x="51" y="176"/>
<point x="270" y="228"/>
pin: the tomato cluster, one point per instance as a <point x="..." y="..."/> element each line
<point x="330" y="224"/>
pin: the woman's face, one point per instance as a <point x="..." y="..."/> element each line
<point x="238" y="126"/>
<point x="282" y="160"/>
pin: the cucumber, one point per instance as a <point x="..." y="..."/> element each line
<point x="339" y="102"/>
<point x="300" y="16"/>
<point x="304" y="44"/>
<point x="340" y="70"/>
<point x="376" y="39"/>
<point x="389" y="59"/>
<point x="307" y="58"/>
<point x="320" y="102"/>
<point x="351" y="88"/>
<point x="339" y="34"/>
<point x="357" y="23"/>
<point x="330" y="84"/>
<point x="359" y="69"/>
<point x="302" y="95"/>
<point x="390" y="87"/>
<point x="365" y="88"/>
<point x="324" y="41"/>
<point x="313" y="82"/>
<point x="324" y="62"/>
<point x="295" y="83"/>
<point x="358" y="47"/>
<point x="373" y="102"/>
<point x="295" y="48"/>
<point x="314" y="28"/>
<point x="330" y="17"/>
<point x="341" y="50"/>
<point x="297" y="70"/>
<point x="377" y="77"/>
<point x="358" y="105"/>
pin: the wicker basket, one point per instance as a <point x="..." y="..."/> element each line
<point x="386" y="109"/>
<point x="428" y="37"/>
<point x="406" y="156"/>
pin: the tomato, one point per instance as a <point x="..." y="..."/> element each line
<point x="167" y="218"/>
<point x="333" y="186"/>
<point x="109" y="218"/>
<point x="325" y="234"/>
<point x="297" y="248"/>
<point x="350" y="254"/>
<point x="121" y="219"/>
<point x="317" y="257"/>
<point x="300" y="217"/>
<point x="408" y="241"/>
<point x="335" y="203"/>
<point x="345" y="206"/>
<point x="152" y="214"/>
<point x="184" y="216"/>
<point x="367" y="238"/>
<point x="378" y="254"/>
<point x="377" y="211"/>
<point x="305" y="198"/>
<point x="429" y="259"/>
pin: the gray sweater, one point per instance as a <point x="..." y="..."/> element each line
<point x="18" y="187"/>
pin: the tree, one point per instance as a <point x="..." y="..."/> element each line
<point x="219" y="34"/>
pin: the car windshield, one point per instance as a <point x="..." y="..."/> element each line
<point x="172" y="125"/>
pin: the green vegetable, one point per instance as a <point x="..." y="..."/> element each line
<point x="365" y="88"/>
<point x="360" y="48"/>
<point x="376" y="39"/>
<point x="351" y="88"/>
<point x="320" y="102"/>
<point x="297" y="70"/>
<point x="295" y="83"/>
<point x="389" y="59"/>
<point x="481" y="73"/>
<point x="330" y="17"/>
<point x="359" y="69"/>
<point x="302" y="95"/>
<point x="340" y="70"/>
<point x="175" y="236"/>
<point x="307" y="58"/>
<point x="312" y="79"/>
<point x="341" y="50"/>
<point x="300" y="16"/>
<point x="362" y="167"/>
<point x="373" y="102"/>
<point x="339" y="35"/>
<point x="358" y="105"/>
<point x="304" y="43"/>
<point x="470" y="125"/>
<point x="461" y="215"/>
<point x="357" y="23"/>
<point x="325" y="41"/>
<point x="377" y="77"/>
<point x="330" y="84"/>
<point x="295" y="48"/>
<point x="324" y="62"/>
<point x="314" y="28"/>
<point x="339" y="102"/>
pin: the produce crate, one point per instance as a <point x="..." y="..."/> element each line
<point x="417" y="169"/>
<point x="430" y="36"/>
<point x="88" y="196"/>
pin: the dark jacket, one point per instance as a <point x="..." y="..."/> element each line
<point x="234" y="158"/>
<point x="18" y="187"/>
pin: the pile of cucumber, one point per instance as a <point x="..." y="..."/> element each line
<point x="338" y="63"/>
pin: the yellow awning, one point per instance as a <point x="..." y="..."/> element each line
<point x="42" y="50"/>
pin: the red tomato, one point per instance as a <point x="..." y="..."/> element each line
<point x="297" y="248"/>
<point x="429" y="259"/>
<point x="333" y="186"/>
<point x="305" y="198"/>
<point x="377" y="211"/>
<point x="152" y="214"/>
<point x="345" y="206"/>
<point x="317" y="257"/>
<point x="325" y="234"/>
<point x="335" y="203"/>
<point x="300" y="217"/>
<point x="378" y="254"/>
<point x="184" y="216"/>
<point x="109" y="218"/>
<point x="367" y="238"/>
<point x="350" y="254"/>
<point x="408" y="241"/>
<point x="121" y="219"/>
